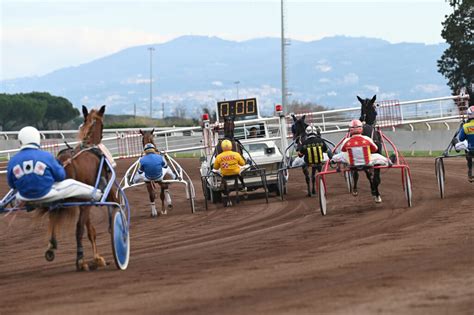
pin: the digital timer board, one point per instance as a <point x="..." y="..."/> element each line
<point x="244" y="109"/>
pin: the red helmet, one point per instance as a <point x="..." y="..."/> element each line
<point x="355" y="127"/>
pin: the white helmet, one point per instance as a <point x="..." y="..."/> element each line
<point x="470" y="112"/>
<point x="29" y="137"/>
<point x="310" y="130"/>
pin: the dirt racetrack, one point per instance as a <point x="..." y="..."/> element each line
<point x="254" y="258"/>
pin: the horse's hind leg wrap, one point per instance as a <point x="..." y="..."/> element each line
<point x="168" y="201"/>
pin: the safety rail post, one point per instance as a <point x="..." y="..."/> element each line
<point x="166" y="141"/>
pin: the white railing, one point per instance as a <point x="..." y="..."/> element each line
<point x="125" y="143"/>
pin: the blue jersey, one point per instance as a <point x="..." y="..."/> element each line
<point x="33" y="172"/>
<point x="467" y="133"/>
<point x="152" y="164"/>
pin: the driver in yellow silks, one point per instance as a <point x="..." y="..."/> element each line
<point x="229" y="162"/>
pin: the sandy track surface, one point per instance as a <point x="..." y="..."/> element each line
<point x="257" y="258"/>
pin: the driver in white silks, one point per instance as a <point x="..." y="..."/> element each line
<point x="357" y="150"/>
<point x="38" y="176"/>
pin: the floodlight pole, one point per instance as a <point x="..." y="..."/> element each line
<point x="284" y="94"/>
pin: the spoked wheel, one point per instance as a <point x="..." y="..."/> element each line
<point x="281" y="184"/>
<point x="439" y="167"/>
<point x="120" y="239"/>
<point x="322" y="196"/>
<point x="349" y="180"/>
<point x="265" y="187"/>
<point x="192" y="195"/>
<point x="205" y="191"/>
<point x="407" y="186"/>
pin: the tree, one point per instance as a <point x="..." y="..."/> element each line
<point x="456" y="62"/>
<point x="41" y="110"/>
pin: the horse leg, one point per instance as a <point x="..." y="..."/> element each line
<point x="244" y="188"/>
<point x="377" y="181"/>
<point x="469" y="167"/>
<point x="225" y="197"/>
<point x="313" y="179"/>
<point x="81" y="264"/>
<point x="98" y="261"/>
<point x="306" y="177"/>
<point x="52" y="244"/>
<point x="373" y="186"/>
<point x="151" y="195"/>
<point x="167" y="197"/>
<point x="355" y="177"/>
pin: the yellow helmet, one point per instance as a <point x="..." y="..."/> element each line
<point x="226" y="145"/>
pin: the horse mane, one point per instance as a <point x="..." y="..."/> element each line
<point x="90" y="132"/>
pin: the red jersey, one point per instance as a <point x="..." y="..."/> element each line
<point x="359" y="148"/>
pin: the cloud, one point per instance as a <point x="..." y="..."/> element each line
<point x="428" y="88"/>
<point x="216" y="83"/>
<point x="372" y="88"/>
<point x="55" y="48"/>
<point x="351" y="78"/>
<point x="323" y="68"/>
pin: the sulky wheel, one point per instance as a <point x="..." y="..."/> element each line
<point x="281" y="185"/>
<point x="120" y="239"/>
<point x="349" y="180"/>
<point x="192" y="196"/>
<point x="407" y="186"/>
<point x="439" y="167"/>
<point x="322" y="196"/>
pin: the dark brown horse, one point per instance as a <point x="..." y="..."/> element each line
<point x="82" y="164"/>
<point x="147" y="137"/>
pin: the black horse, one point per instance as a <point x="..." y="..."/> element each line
<point x="308" y="144"/>
<point x="369" y="116"/>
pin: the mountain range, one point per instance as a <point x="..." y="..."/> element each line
<point x="192" y="72"/>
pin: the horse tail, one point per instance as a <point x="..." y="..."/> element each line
<point x="58" y="218"/>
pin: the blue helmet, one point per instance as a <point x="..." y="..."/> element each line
<point x="149" y="146"/>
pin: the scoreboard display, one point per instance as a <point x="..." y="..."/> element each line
<point x="243" y="109"/>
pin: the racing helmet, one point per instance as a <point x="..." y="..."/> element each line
<point x="29" y="137"/>
<point x="470" y="112"/>
<point x="311" y="130"/>
<point x="355" y="127"/>
<point x="149" y="147"/>
<point x="226" y="145"/>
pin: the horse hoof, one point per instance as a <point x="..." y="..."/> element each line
<point x="378" y="199"/>
<point x="100" y="261"/>
<point x="164" y="212"/>
<point x="355" y="193"/>
<point x="170" y="207"/>
<point x="81" y="265"/>
<point x="49" y="255"/>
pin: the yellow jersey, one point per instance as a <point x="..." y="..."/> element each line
<point x="228" y="162"/>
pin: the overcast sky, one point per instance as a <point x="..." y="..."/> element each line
<point x="37" y="37"/>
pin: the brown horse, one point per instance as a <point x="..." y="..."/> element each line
<point x="82" y="164"/>
<point x="147" y="137"/>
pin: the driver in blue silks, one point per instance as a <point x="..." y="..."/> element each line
<point x="466" y="132"/>
<point x="37" y="175"/>
<point x="153" y="166"/>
